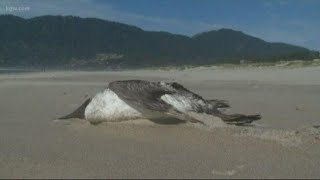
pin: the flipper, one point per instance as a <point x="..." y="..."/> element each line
<point x="79" y="112"/>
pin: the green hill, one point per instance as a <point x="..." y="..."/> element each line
<point x="68" y="41"/>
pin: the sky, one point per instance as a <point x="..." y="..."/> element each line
<point x="290" y="21"/>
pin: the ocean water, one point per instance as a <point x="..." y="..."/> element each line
<point x="12" y="71"/>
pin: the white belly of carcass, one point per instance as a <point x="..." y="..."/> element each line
<point x="107" y="106"/>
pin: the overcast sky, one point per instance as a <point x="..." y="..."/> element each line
<point x="291" y="21"/>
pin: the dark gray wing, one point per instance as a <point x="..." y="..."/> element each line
<point x="237" y="119"/>
<point x="145" y="97"/>
<point x="141" y="94"/>
<point x="207" y="106"/>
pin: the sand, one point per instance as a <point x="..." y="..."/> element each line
<point x="285" y="143"/>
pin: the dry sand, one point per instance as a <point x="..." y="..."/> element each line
<point x="284" y="144"/>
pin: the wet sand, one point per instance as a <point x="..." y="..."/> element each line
<point x="285" y="143"/>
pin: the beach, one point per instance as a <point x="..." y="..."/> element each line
<point x="285" y="143"/>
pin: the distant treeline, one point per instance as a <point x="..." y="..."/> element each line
<point x="69" y="41"/>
